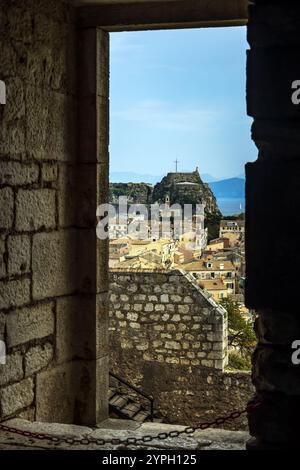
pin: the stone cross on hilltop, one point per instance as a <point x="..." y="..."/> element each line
<point x="176" y="165"/>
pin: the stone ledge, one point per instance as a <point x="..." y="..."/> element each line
<point x="212" y="439"/>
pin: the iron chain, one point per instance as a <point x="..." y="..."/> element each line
<point x="86" y="441"/>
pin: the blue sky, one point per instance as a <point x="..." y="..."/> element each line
<point x="180" y="94"/>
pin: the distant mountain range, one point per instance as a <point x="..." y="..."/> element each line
<point x="130" y="177"/>
<point x="225" y="188"/>
<point x="230" y="188"/>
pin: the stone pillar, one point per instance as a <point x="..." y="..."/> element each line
<point x="53" y="174"/>
<point x="92" y="172"/>
<point x="272" y="217"/>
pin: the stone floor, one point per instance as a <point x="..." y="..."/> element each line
<point x="212" y="439"/>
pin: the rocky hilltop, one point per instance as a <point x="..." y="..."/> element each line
<point x="186" y="188"/>
<point x="179" y="188"/>
<point x="136" y="193"/>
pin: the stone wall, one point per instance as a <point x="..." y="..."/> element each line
<point x="46" y="223"/>
<point x="273" y="36"/>
<point x="168" y="338"/>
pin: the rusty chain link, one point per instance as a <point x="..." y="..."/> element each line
<point x="85" y="441"/>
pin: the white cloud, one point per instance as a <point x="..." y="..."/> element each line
<point x="162" y="115"/>
<point x="121" y="44"/>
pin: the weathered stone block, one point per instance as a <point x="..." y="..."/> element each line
<point x="92" y="263"/>
<point x="67" y="196"/>
<point x="54" y="264"/>
<point x="276" y="138"/>
<point x="181" y="327"/>
<point x="172" y="345"/>
<point x="277" y="327"/>
<point x="220" y="363"/>
<point x="191" y="354"/>
<point x="60" y="383"/>
<point x="94" y="121"/>
<point x="147" y="289"/>
<point x="37" y="358"/>
<point x="152" y="298"/>
<point x="176" y="318"/>
<point x="7" y="208"/>
<point x="19" y="23"/>
<point x="270" y="365"/>
<point x="15" y="100"/>
<point x="17" y="174"/>
<point x="14" y="293"/>
<point x="47" y="64"/>
<point x="263" y="100"/>
<point x="155" y="316"/>
<point x="8" y="58"/>
<point x="142" y="346"/>
<point x="170" y="308"/>
<point x="207" y="363"/>
<point x="19" y="251"/>
<point x="80" y="389"/>
<point x="132" y="288"/>
<point x="195" y="362"/>
<point x="113" y="298"/>
<point x="218" y="346"/>
<point x="138" y="307"/>
<point x="132" y="316"/>
<point x="214" y="355"/>
<point x="165" y="336"/>
<point x="159" y="308"/>
<point x="82" y="327"/>
<point x="172" y="360"/>
<point x="183" y="309"/>
<point x="49" y="172"/>
<point x="99" y="405"/>
<point x="119" y="315"/>
<point x="28" y="414"/>
<point x="2" y="325"/>
<point x="12" y="371"/>
<point x="149" y="307"/>
<point x="264" y="180"/>
<point x="54" y="116"/>
<point x="126" y="343"/>
<point x="30" y="323"/>
<point x="15" y="397"/>
<point x="2" y="257"/>
<point x="90" y="184"/>
<point x="35" y="209"/>
<point x="12" y="139"/>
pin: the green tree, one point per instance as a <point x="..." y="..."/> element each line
<point x="241" y="335"/>
<point x="212" y="222"/>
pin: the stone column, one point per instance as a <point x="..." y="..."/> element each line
<point x="92" y="178"/>
<point x="272" y="219"/>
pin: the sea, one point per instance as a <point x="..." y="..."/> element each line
<point x="231" y="206"/>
